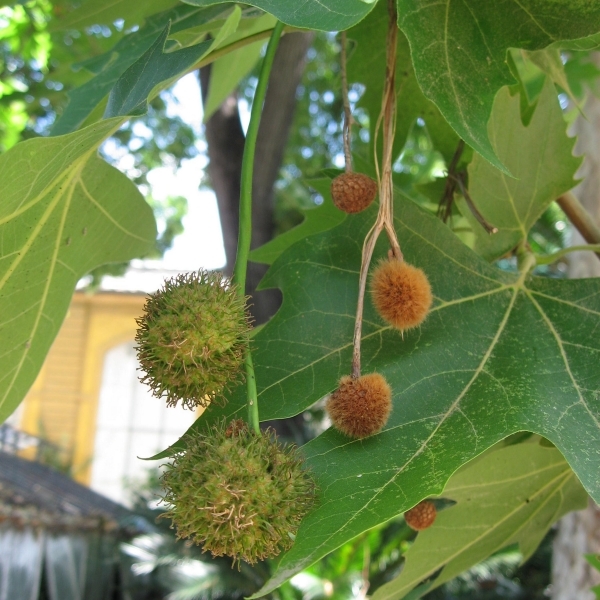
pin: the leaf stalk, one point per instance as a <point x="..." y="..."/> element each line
<point x="552" y="258"/>
<point x="245" y="231"/>
<point x="346" y="132"/>
<point x="385" y="216"/>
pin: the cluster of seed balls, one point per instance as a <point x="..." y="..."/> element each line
<point x="401" y="295"/>
<point x="235" y="492"/>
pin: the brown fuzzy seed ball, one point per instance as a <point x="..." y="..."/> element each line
<point x="421" y="516"/>
<point x="401" y="293"/>
<point x="353" y="192"/>
<point x="360" y="407"/>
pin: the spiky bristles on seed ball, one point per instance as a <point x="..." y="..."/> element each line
<point x="192" y="338"/>
<point x="353" y="192"/>
<point x="401" y="293"/>
<point x="421" y="516"/>
<point x="237" y="493"/>
<point x="360" y="407"/>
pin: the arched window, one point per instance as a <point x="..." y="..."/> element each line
<point x="130" y="423"/>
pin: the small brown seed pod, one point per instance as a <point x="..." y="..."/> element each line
<point x="353" y="192"/>
<point x="401" y="293"/>
<point x="421" y="516"/>
<point x="360" y="407"/>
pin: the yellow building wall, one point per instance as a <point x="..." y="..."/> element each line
<point x="63" y="402"/>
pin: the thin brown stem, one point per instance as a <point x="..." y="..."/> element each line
<point x="459" y="179"/>
<point x="385" y="216"/>
<point x="346" y="132"/>
<point x="445" y="205"/>
<point x="367" y="254"/>
<point x="581" y="218"/>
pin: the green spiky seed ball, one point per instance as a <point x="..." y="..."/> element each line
<point x="192" y="338"/>
<point x="237" y="493"/>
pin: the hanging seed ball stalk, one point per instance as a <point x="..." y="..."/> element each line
<point x="401" y="293"/>
<point x="237" y="493"/>
<point x="360" y="407"/>
<point x="353" y="192"/>
<point x="421" y="516"/>
<point x="191" y="338"/>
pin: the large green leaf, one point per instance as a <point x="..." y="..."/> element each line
<point x="64" y="211"/>
<point x="459" y="51"/>
<point x="498" y="354"/>
<point x="108" y="67"/>
<point x="324" y="15"/>
<point x="105" y="12"/>
<point x="512" y="495"/>
<point x="367" y="66"/>
<point x="540" y="158"/>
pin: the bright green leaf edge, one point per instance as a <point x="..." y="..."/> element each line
<point x="322" y="15"/>
<point x="64" y="212"/>
<point x="540" y="157"/>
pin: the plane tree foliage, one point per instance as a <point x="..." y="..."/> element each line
<point x="496" y="397"/>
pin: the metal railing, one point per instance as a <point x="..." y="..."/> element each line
<point x="14" y="441"/>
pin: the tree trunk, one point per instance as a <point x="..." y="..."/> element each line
<point x="579" y="532"/>
<point x="225" y="140"/>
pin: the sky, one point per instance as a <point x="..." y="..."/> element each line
<point x="201" y="243"/>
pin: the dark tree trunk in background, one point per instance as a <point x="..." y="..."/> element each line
<point x="225" y="139"/>
<point x="579" y="532"/>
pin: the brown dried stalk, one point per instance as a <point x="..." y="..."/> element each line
<point x="385" y="216"/>
<point x="346" y="133"/>
<point x="445" y="205"/>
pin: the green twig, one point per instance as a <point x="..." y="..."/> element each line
<point x="550" y="258"/>
<point x="245" y="233"/>
<point x="526" y="260"/>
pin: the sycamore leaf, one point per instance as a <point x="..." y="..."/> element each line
<point x="94" y="12"/>
<point x="498" y="354"/>
<point x="130" y="94"/>
<point x="540" y="158"/>
<point x="590" y="42"/>
<point x="108" y="67"/>
<point x="530" y="82"/>
<point x="315" y="221"/>
<point x="64" y="212"/>
<point x="323" y="15"/>
<point x="549" y="61"/>
<point x="156" y="68"/>
<point x="459" y="51"/>
<point x="366" y="65"/>
<point x="511" y="495"/>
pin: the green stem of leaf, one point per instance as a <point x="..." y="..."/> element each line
<point x="551" y="258"/>
<point x="526" y="260"/>
<point x="245" y="232"/>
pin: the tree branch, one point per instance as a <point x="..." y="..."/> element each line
<point x="580" y="218"/>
